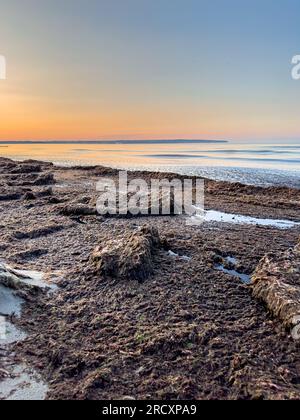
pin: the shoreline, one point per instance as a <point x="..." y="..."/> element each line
<point x="247" y="176"/>
<point x="172" y="335"/>
<point x="265" y="165"/>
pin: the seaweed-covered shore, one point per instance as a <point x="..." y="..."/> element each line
<point x="149" y="307"/>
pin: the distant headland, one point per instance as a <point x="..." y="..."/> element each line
<point x="178" y="141"/>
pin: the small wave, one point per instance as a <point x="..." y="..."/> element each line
<point x="235" y="158"/>
<point x="175" y="156"/>
<point x="263" y="160"/>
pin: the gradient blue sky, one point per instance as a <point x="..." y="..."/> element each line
<point x="99" y="69"/>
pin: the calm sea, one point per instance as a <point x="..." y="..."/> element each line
<point x="259" y="164"/>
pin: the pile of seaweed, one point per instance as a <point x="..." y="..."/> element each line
<point x="276" y="282"/>
<point x="129" y="257"/>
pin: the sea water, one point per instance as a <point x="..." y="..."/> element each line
<point x="263" y="163"/>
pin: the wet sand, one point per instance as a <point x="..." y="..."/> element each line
<point x="191" y="330"/>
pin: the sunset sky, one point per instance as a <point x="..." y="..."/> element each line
<point x="138" y="69"/>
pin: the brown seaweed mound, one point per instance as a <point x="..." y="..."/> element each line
<point x="276" y="282"/>
<point x="76" y="209"/>
<point x="130" y="257"/>
<point x="45" y="179"/>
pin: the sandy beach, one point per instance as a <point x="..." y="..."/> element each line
<point x="168" y="311"/>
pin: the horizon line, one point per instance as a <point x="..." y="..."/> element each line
<point x="142" y="141"/>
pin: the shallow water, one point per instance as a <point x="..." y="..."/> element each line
<point x="229" y="267"/>
<point x="22" y="382"/>
<point x="35" y="278"/>
<point x="220" y="217"/>
<point x="10" y="303"/>
<point x="259" y="164"/>
<point x="243" y="277"/>
<point x="12" y="334"/>
<point x="231" y="260"/>
<point x="180" y="257"/>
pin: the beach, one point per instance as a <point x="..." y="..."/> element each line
<point x="175" y="318"/>
<point x="149" y="203"/>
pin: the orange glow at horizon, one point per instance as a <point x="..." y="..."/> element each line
<point x="33" y="118"/>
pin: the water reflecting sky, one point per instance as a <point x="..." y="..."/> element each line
<point x="180" y="154"/>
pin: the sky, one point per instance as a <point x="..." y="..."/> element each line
<point x="149" y="69"/>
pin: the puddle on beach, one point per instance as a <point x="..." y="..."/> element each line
<point x="35" y="278"/>
<point x="233" y="262"/>
<point x="180" y="257"/>
<point x="220" y="217"/>
<point x="243" y="277"/>
<point x="21" y="382"/>
<point x="10" y="334"/>
<point x="10" y="303"/>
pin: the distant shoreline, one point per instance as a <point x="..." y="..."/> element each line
<point x="175" y="141"/>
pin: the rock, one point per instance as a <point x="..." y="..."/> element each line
<point x="131" y="257"/>
<point x="276" y="282"/>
